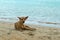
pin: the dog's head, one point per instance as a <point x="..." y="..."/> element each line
<point x="23" y="19"/>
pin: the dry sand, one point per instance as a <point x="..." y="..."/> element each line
<point x="7" y="32"/>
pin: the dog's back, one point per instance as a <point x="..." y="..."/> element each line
<point x="18" y="26"/>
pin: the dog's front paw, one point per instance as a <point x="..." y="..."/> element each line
<point x="32" y="29"/>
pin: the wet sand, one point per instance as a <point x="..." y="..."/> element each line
<point x="7" y="32"/>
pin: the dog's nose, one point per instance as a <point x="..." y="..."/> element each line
<point x="23" y="21"/>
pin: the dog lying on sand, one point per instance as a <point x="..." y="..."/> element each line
<point x="19" y="25"/>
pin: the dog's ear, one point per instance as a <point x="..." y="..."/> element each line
<point x="18" y="17"/>
<point x="26" y="17"/>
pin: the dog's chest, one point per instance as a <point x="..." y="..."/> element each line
<point x="19" y="24"/>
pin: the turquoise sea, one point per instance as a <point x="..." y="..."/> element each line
<point x="39" y="11"/>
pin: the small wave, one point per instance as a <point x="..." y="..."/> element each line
<point x="49" y="23"/>
<point x="9" y="18"/>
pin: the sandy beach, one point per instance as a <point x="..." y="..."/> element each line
<point x="7" y="32"/>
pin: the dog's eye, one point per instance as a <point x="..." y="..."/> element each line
<point x="21" y="19"/>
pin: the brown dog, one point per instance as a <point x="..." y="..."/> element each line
<point x="20" y="24"/>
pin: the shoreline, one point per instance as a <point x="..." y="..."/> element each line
<point x="48" y="24"/>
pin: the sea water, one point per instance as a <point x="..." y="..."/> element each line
<point x="39" y="11"/>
